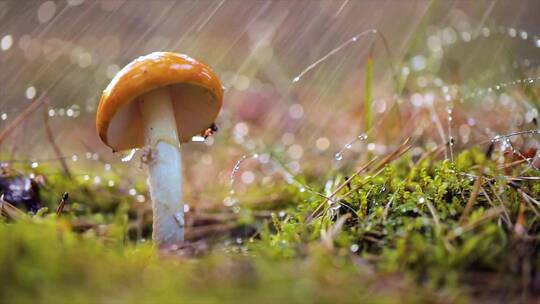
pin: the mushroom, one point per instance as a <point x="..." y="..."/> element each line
<point x="156" y="102"/>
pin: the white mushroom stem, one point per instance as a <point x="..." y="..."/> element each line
<point x="164" y="166"/>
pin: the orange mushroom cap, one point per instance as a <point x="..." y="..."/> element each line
<point x="195" y="91"/>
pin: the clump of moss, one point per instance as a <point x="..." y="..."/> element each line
<point x="410" y="230"/>
<point x="412" y="218"/>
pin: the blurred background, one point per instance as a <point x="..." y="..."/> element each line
<point x="304" y="81"/>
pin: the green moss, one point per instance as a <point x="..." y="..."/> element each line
<point x="397" y="236"/>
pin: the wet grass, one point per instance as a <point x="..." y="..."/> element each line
<point x="408" y="228"/>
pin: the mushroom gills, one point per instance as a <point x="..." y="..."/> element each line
<point x="195" y="108"/>
<point x="165" y="165"/>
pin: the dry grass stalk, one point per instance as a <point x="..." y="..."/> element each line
<point x="194" y="233"/>
<point x="327" y="236"/>
<point x="62" y="204"/>
<point x="476" y="186"/>
<point x="52" y="142"/>
<point x="10" y="211"/>
<point x="488" y="215"/>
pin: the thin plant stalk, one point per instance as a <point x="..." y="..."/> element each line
<point x="368" y="92"/>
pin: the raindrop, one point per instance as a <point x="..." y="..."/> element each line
<point x="348" y="146"/>
<point x="30" y="92"/>
<point x="236" y="168"/>
<point x="322" y="143"/>
<point x="197" y="138"/>
<point x="247" y="177"/>
<point x="496" y="138"/>
<point x="229" y="201"/>
<point x="74" y="2"/>
<point x="418" y="63"/>
<point x="84" y="59"/>
<point x="405" y="71"/>
<point x="112" y="70"/>
<point x="466" y="36"/>
<point x="287" y="138"/>
<point x="179" y="217"/>
<point x="129" y="155"/>
<point x="295" y="151"/>
<point x="296" y="111"/>
<point x="6" y="42"/>
<point x="334" y="206"/>
<point x="46" y="11"/>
